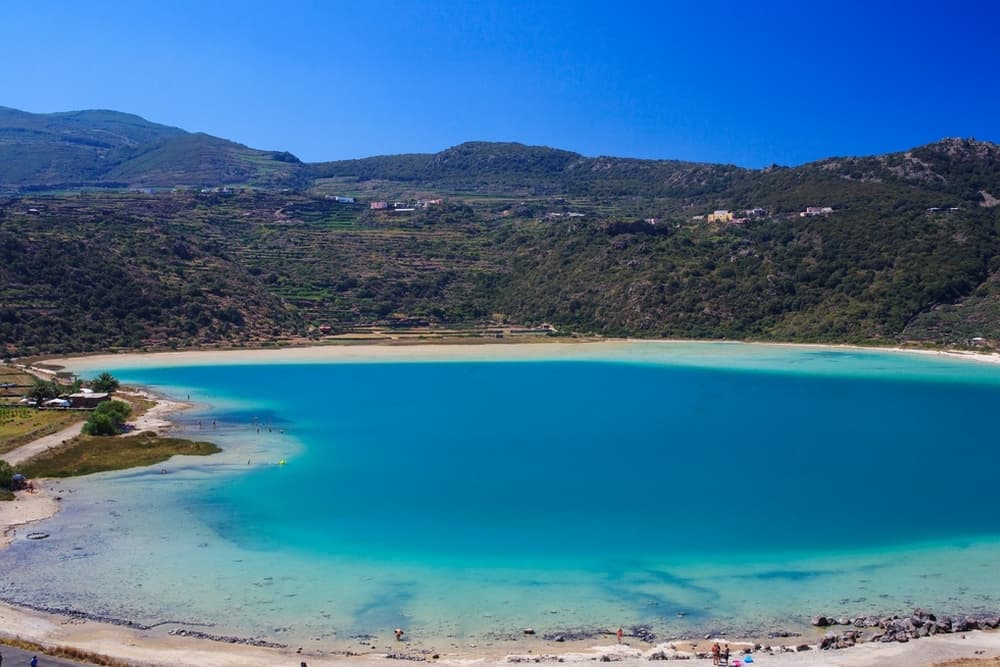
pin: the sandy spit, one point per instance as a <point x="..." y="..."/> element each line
<point x="27" y="508"/>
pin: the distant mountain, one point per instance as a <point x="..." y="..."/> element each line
<point x="491" y="168"/>
<point x="108" y="148"/>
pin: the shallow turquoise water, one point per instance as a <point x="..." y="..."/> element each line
<point x="681" y="486"/>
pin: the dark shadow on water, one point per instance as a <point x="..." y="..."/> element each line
<point x="384" y="610"/>
<point x="665" y="577"/>
<point x="788" y="575"/>
<point x="632" y="587"/>
<point x="803" y="575"/>
<point x="650" y="606"/>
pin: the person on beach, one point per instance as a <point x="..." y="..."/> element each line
<point x="619" y="634"/>
<point x="725" y="655"/>
<point x="34" y="661"/>
<point x="716" y="652"/>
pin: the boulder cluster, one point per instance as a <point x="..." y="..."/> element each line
<point x="919" y="624"/>
<point x="247" y="641"/>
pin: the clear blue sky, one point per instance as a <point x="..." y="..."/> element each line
<point x="747" y="83"/>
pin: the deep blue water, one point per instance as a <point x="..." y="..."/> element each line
<point x="587" y="461"/>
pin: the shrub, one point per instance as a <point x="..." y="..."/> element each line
<point x="108" y="418"/>
<point x="6" y="476"/>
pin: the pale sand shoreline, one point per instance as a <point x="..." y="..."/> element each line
<point x="441" y="351"/>
<point x="156" y="418"/>
<point x="150" y="647"/>
<point x="27" y="508"/>
<point x="153" y="647"/>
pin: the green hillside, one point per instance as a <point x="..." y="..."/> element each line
<point x="891" y="249"/>
<point x="511" y="168"/>
<point x="111" y="149"/>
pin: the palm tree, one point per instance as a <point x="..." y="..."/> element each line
<point x="105" y="382"/>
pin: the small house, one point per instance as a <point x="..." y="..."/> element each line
<point x="88" y="400"/>
<point x="816" y="210"/>
<point x="720" y="216"/>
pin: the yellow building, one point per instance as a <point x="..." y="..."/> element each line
<point x="720" y="216"/>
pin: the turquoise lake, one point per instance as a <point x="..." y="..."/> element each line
<point x="689" y="487"/>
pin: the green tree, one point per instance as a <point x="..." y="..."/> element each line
<point x="108" y="418"/>
<point x="100" y="425"/>
<point x="105" y="382"/>
<point x="43" y="390"/>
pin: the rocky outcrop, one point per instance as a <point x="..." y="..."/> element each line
<point x="246" y="641"/>
<point x="919" y="624"/>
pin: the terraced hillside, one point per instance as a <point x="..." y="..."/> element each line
<point x="88" y="272"/>
<point x="886" y="249"/>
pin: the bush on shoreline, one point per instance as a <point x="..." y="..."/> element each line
<point x="108" y="418"/>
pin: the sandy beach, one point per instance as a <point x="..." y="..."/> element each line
<point x="156" y="418"/>
<point x="417" y="352"/>
<point x="157" y="647"/>
<point x="28" y="507"/>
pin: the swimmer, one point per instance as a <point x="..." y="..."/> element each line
<point x="399" y="634"/>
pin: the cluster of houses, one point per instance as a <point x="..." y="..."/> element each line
<point x="734" y="217"/>
<point x="395" y="207"/>
<point x="403" y="207"/>
<point x="815" y="210"/>
<point x="746" y="215"/>
<point x="85" y="399"/>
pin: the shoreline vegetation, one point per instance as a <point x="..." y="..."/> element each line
<point x="89" y="454"/>
<point x="874" y="640"/>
